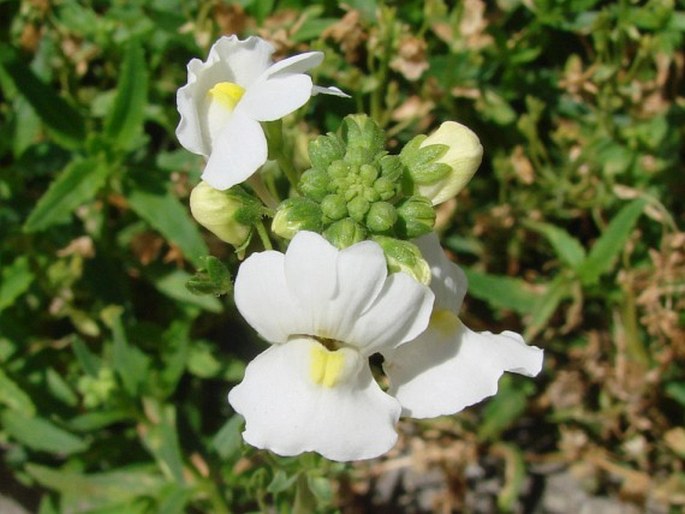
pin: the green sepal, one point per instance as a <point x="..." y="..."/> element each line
<point x="295" y="214"/>
<point x="416" y="217"/>
<point x="212" y="277"/>
<point x="364" y="139"/>
<point x="404" y="256"/>
<point x="344" y="233"/>
<point x="421" y="161"/>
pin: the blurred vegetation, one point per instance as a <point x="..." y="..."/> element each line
<point x="113" y="376"/>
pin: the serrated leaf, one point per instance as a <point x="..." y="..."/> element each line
<point x="567" y="247"/>
<point x="41" y="434"/>
<point x="124" y="121"/>
<point x="501" y="291"/>
<point x="607" y="248"/>
<point x="77" y="184"/>
<point x="64" y="122"/>
<point x="173" y="285"/>
<point x="157" y="205"/>
<point x="15" y="279"/>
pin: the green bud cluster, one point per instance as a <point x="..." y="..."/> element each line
<point x="354" y="190"/>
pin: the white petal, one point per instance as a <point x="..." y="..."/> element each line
<point x="262" y="297"/>
<point x="189" y="130"/>
<point x="311" y="278"/>
<point x="242" y="62"/>
<point x="287" y="413"/>
<point x="448" y="280"/>
<point x="399" y="313"/>
<point x="330" y="90"/>
<point x="295" y="64"/>
<point x="450" y="367"/>
<point x="273" y="98"/>
<point x="238" y="151"/>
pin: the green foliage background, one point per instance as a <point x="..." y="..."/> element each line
<point x="113" y="376"/>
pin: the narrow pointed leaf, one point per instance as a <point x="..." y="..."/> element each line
<point x="64" y="122"/>
<point x="607" y="248"/>
<point x="501" y="291"/>
<point x="124" y="121"/>
<point x="157" y="205"/>
<point x="567" y="247"/>
<point x="76" y="185"/>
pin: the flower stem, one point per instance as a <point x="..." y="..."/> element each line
<point x="264" y="235"/>
<point x="288" y="169"/>
<point x="260" y="189"/>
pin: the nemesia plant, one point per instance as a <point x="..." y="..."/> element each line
<point x="362" y="272"/>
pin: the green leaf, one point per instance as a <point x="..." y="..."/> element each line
<point x="500" y="412"/>
<point x="87" y="492"/>
<point x="173" y="285"/>
<point x="607" y="248"/>
<point x="567" y="247"/>
<point x="78" y="183"/>
<point x="547" y="303"/>
<point x="124" y="121"/>
<point x="41" y="434"/>
<point x="157" y="205"/>
<point x="227" y="441"/>
<point x="161" y="439"/>
<point x="60" y="389"/>
<point x="14" y="397"/>
<point x="90" y="362"/>
<point x="64" y="122"/>
<point x="128" y="361"/>
<point x="15" y="279"/>
<point x="501" y="292"/>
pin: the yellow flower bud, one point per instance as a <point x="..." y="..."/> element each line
<point x="217" y="211"/>
<point x="463" y="157"/>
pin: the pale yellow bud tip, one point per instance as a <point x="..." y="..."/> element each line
<point x="215" y="210"/>
<point x="464" y="156"/>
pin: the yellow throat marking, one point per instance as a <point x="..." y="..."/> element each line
<point x="228" y="94"/>
<point x="326" y="367"/>
<point x="444" y="321"/>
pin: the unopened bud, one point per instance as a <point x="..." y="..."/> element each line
<point x="364" y="138"/>
<point x="334" y="207"/>
<point x="443" y="163"/>
<point x="229" y="215"/>
<point x="314" y="184"/>
<point x="325" y="149"/>
<point x="381" y="217"/>
<point x="404" y="256"/>
<point x="417" y="217"/>
<point x="344" y="233"/>
<point x="295" y="214"/>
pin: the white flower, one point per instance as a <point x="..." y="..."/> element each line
<point x="449" y="367"/>
<point x="228" y="95"/>
<point x="325" y="311"/>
